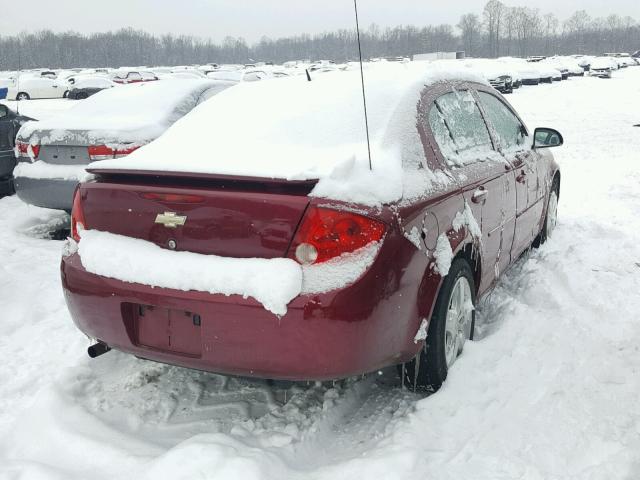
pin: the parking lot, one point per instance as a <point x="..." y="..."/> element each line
<point x="547" y="390"/>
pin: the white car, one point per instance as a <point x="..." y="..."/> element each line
<point x="238" y="76"/>
<point x="603" y="67"/>
<point x="28" y="87"/>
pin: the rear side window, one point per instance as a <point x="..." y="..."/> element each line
<point x="459" y="128"/>
<point x="509" y="131"/>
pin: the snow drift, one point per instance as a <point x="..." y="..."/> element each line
<point x="273" y="282"/>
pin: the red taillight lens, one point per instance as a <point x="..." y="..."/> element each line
<point x="25" y="149"/>
<point x="100" y="152"/>
<point x="325" y="234"/>
<point x="103" y="152"/>
<point x="22" y="149"/>
<point x="78" y="222"/>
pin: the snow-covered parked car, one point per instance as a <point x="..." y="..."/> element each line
<point x="499" y="74"/>
<point x="32" y="86"/>
<point x="603" y="67"/>
<point x="53" y="153"/>
<point x="238" y="76"/>
<point x="255" y="237"/>
<point x="126" y="77"/>
<point x="526" y="72"/>
<point x="86" y="85"/>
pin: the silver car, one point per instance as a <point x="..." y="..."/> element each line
<point x="52" y="154"/>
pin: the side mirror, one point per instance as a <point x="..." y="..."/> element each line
<point x="4" y="111"/>
<point x="546" y="138"/>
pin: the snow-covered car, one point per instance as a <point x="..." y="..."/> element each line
<point x="126" y="77"/>
<point x="499" y="74"/>
<point x="602" y="67"/>
<point x="238" y="75"/>
<point x="547" y="73"/>
<point x="28" y="87"/>
<point x="256" y="237"/>
<point x="87" y="85"/>
<point x="186" y="74"/>
<point x="527" y="73"/>
<point x="568" y="66"/>
<point x="10" y="123"/>
<point x="53" y="153"/>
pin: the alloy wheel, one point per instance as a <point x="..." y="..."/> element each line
<point x="459" y="318"/>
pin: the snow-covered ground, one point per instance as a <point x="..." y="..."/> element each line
<point x="549" y="389"/>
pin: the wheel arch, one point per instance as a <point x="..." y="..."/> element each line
<point x="429" y="290"/>
<point x="470" y="252"/>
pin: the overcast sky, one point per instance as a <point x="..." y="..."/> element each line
<point x="253" y="18"/>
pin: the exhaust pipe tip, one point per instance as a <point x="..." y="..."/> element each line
<point x="98" y="349"/>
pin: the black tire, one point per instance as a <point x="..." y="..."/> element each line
<point x="433" y="368"/>
<point x="545" y="232"/>
<point x="23" y="96"/>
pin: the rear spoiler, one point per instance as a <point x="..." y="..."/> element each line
<point x="200" y="179"/>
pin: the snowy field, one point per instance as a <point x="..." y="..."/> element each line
<point x="549" y="390"/>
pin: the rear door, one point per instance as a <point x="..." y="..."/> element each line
<point x="467" y="147"/>
<point x="513" y="142"/>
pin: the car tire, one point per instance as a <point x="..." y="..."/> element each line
<point x="23" y="96"/>
<point x="551" y="217"/>
<point x="441" y="348"/>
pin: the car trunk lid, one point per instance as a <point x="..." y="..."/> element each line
<point x="226" y="217"/>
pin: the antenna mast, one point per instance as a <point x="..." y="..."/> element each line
<point x="364" y="95"/>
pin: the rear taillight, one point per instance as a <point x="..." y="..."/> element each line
<point x="78" y="222"/>
<point x="26" y="150"/>
<point x="103" y="152"/>
<point x="325" y="234"/>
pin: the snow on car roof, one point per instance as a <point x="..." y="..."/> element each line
<point x="299" y="130"/>
<point x="137" y="112"/>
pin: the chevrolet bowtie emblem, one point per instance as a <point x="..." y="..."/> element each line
<point x="170" y="219"/>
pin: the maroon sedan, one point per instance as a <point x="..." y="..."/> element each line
<point x="418" y="263"/>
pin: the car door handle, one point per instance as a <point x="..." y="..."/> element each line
<point x="480" y="195"/>
<point x="522" y="177"/>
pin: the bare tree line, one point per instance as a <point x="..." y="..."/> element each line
<point x="498" y="31"/>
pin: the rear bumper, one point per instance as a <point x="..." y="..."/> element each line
<point x="359" y="329"/>
<point x="47" y="193"/>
